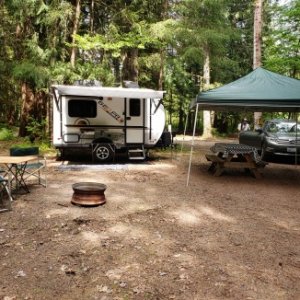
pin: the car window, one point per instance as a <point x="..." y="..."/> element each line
<point x="272" y="128"/>
<point x="295" y="128"/>
<point x="281" y="127"/>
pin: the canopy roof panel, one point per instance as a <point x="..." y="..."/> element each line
<point x="260" y="90"/>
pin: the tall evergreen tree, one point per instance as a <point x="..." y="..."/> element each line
<point x="257" y="47"/>
<point x="204" y="30"/>
<point x="31" y="52"/>
<point x="282" y="51"/>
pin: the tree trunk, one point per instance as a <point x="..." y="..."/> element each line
<point x="11" y="114"/>
<point x="117" y="71"/>
<point x="257" y="34"/>
<point x="161" y="70"/>
<point x="92" y="15"/>
<point x="130" y="65"/>
<point x="34" y="105"/>
<point x="75" y="29"/>
<point x="206" y="78"/>
<point x="165" y="7"/>
<point x="170" y="107"/>
<point x="181" y="119"/>
<point x="257" y="54"/>
<point x="27" y="108"/>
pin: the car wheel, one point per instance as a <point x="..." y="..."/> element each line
<point x="103" y="152"/>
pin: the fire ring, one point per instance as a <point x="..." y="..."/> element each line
<point x="88" y="193"/>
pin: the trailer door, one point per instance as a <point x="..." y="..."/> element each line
<point x="135" y="121"/>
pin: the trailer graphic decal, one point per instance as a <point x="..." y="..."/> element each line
<point x="112" y="113"/>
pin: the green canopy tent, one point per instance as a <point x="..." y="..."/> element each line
<point x="260" y="90"/>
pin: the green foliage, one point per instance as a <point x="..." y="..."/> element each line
<point x="36" y="40"/>
<point x="240" y="45"/>
<point x="180" y="88"/>
<point x="64" y="73"/>
<point x="114" y="41"/>
<point x="282" y="43"/>
<point x="36" y="75"/>
<point x="36" y="129"/>
<point x="149" y="66"/>
<point x="45" y="147"/>
<point x="6" y="134"/>
<point x="276" y="115"/>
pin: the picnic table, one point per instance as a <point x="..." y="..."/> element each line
<point x="229" y="155"/>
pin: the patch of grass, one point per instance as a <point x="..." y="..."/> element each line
<point x="46" y="148"/>
<point x="6" y="134"/>
<point x="17" y="142"/>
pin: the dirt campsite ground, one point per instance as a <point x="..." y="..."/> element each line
<point x="228" y="237"/>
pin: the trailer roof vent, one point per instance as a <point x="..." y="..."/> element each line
<point x="88" y="82"/>
<point x="131" y="84"/>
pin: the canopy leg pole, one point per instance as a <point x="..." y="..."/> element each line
<point x="192" y="146"/>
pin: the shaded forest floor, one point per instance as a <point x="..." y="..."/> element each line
<point x="230" y="237"/>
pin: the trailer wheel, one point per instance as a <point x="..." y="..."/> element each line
<point x="103" y="152"/>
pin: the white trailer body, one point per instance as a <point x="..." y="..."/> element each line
<point x="104" y="120"/>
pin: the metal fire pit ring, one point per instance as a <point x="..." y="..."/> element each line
<point x="88" y="193"/>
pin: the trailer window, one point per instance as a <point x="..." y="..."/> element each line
<point x="82" y="108"/>
<point x="135" y="107"/>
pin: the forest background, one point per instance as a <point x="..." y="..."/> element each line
<point x="180" y="46"/>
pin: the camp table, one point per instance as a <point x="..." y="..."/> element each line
<point x="15" y="167"/>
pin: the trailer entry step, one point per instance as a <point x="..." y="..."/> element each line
<point x="137" y="153"/>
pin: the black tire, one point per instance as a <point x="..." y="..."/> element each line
<point x="61" y="155"/>
<point x="103" y="152"/>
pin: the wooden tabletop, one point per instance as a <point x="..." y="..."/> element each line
<point x="6" y="159"/>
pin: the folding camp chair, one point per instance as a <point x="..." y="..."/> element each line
<point x="5" y="191"/>
<point x="34" y="170"/>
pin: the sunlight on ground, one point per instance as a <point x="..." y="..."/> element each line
<point x="93" y="237"/>
<point x="117" y="273"/>
<point x="124" y="229"/>
<point x="135" y="204"/>
<point x="185" y="258"/>
<point x="186" y="217"/>
<point x="193" y="217"/>
<point x="210" y="212"/>
<point x="285" y="224"/>
<point x="57" y="212"/>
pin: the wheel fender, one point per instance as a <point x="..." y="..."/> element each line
<point x="102" y="141"/>
<point x="103" y="152"/>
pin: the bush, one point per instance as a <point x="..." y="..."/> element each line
<point x="6" y="134"/>
<point x="36" y="129"/>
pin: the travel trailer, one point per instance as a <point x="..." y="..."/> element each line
<point x="107" y="120"/>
